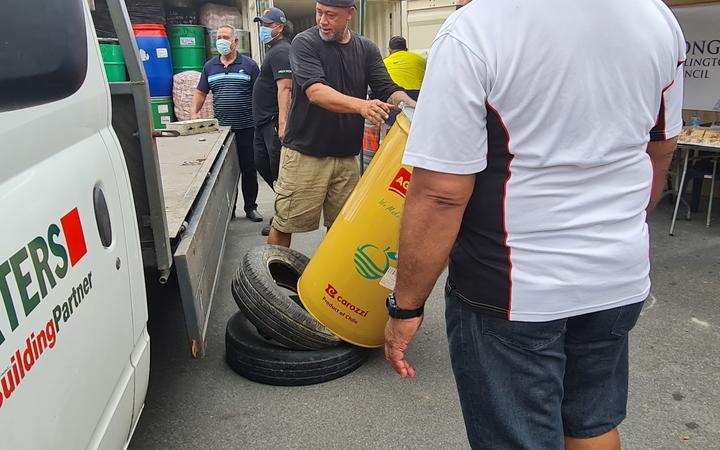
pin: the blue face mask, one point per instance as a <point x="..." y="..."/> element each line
<point x="266" y="35"/>
<point x="224" y="47"/>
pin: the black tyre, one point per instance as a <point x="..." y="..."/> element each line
<point x="259" y="360"/>
<point x="265" y="290"/>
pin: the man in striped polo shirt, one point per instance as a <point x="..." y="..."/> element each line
<point x="231" y="76"/>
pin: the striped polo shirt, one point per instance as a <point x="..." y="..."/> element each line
<point x="232" y="88"/>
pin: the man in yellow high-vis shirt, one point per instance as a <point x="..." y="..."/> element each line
<point x="406" y="69"/>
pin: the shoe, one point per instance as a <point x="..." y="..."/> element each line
<point x="266" y="229"/>
<point x="254" y="216"/>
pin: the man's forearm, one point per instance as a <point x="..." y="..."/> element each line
<point x="328" y="98"/>
<point x="400" y="97"/>
<point x="284" y="98"/>
<point x="434" y="208"/>
<point x="661" y="154"/>
<point x="198" y="101"/>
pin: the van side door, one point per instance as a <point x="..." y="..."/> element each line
<point x="65" y="315"/>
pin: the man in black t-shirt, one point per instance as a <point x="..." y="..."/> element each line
<point x="332" y="69"/>
<point x="272" y="95"/>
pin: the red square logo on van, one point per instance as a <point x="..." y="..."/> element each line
<point x="74" y="236"/>
<point x="401" y="182"/>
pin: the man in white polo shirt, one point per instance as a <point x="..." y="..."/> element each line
<point x="534" y="175"/>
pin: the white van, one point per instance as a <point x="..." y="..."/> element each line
<point x="74" y="345"/>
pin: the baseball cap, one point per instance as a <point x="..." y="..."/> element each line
<point x="337" y="3"/>
<point x="398" y="43"/>
<point x="272" y="15"/>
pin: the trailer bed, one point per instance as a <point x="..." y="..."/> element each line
<point x="185" y="162"/>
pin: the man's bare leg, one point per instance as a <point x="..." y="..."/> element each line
<point x="607" y="441"/>
<point x="279" y="238"/>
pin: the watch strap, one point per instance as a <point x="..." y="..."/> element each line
<point x="398" y="313"/>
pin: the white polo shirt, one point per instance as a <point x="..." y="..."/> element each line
<point x="552" y="105"/>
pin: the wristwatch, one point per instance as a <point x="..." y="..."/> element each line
<point x="397" y="313"/>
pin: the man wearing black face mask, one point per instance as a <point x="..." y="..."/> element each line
<point x="272" y="95"/>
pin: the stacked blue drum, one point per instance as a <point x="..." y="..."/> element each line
<point x="152" y="40"/>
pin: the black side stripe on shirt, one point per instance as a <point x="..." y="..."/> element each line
<point x="500" y="157"/>
<point x="657" y="133"/>
<point x="482" y="260"/>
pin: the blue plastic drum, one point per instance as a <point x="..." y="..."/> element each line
<point x="154" y="48"/>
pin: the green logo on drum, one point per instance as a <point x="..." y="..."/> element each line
<point x="371" y="262"/>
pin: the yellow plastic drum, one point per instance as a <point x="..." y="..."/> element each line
<point x="347" y="281"/>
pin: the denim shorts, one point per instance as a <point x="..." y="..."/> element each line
<point x="527" y="385"/>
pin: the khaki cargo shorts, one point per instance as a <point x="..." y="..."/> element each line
<point x="310" y="185"/>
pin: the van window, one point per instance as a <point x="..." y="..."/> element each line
<point x="43" y="51"/>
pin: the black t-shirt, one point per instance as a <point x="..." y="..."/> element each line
<point x="349" y="69"/>
<point x="275" y="66"/>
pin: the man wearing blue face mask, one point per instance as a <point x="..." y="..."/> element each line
<point x="272" y="95"/>
<point x="231" y="76"/>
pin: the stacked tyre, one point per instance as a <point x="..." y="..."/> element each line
<point x="272" y="339"/>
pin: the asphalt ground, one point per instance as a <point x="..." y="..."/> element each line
<point x="202" y="404"/>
